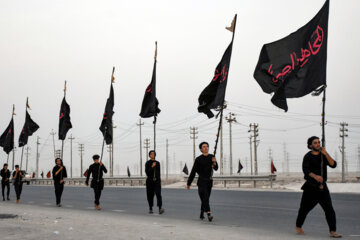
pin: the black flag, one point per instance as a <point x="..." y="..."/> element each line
<point x="240" y="167"/>
<point x="106" y="126"/>
<point x="29" y="128"/>
<point x="150" y="103"/>
<point x="272" y="167"/>
<point x="7" y="138"/>
<point x="213" y="96"/>
<point x="295" y="66"/>
<point x="128" y="172"/>
<point x="185" y="170"/>
<point x="64" y="122"/>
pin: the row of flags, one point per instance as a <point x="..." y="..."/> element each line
<point x="291" y="67"/>
<point x="240" y="167"/>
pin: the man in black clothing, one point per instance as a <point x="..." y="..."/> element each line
<point x="153" y="182"/>
<point x="314" y="166"/>
<point x="59" y="173"/>
<point x="5" y="181"/>
<point x="17" y="180"/>
<point x="204" y="166"/>
<point x="97" y="183"/>
<point x="42" y="174"/>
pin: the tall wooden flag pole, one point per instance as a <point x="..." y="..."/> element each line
<point x="231" y="29"/>
<point x="155" y="106"/>
<point x="13" y="161"/>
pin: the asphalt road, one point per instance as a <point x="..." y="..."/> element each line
<point x="268" y="210"/>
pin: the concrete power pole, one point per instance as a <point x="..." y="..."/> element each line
<point x="254" y="129"/>
<point x="167" y="159"/>
<point x="27" y="158"/>
<point x="342" y="149"/>
<point x="81" y="150"/>
<point x="147" y="146"/>
<point x="71" y="155"/>
<point x="53" y="137"/>
<point x="37" y="156"/>
<point x="140" y="124"/>
<point x="230" y="119"/>
<point x="270" y="157"/>
<point x="251" y="160"/>
<point x="193" y="132"/>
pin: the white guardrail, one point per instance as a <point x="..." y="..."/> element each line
<point x="115" y="181"/>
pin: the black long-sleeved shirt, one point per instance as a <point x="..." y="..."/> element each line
<point x="94" y="170"/>
<point x="203" y="166"/>
<point x="312" y="164"/>
<point x="5" y="175"/>
<point x="61" y="175"/>
<point x="19" y="176"/>
<point x="152" y="172"/>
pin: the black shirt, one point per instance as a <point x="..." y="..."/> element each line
<point x="152" y="172"/>
<point x="312" y="164"/>
<point x="94" y="170"/>
<point x="203" y="167"/>
<point x="18" y="178"/>
<point x="5" y="175"/>
<point x="61" y="175"/>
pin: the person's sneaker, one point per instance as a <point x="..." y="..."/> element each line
<point x="151" y="211"/>
<point x="59" y="205"/>
<point x="3" y="199"/>
<point x="210" y="217"/>
<point x="8" y="198"/>
<point x="161" y="210"/>
<point x="202" y="215"/>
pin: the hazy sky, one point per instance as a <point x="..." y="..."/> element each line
<point x="45" y="42"/>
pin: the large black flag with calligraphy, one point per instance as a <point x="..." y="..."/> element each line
<point x="106" y="126"/>
<point x="213" y="96"/>
<point x="149" y="107"/>
<point x="295" y="66"/>
<point x="64" y="119"/>
<point x="28" y="129"/>
<point x="7" y="138"/>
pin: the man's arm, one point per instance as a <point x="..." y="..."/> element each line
<point x="88" y="176"/>
<point x="331" y="162"/>
<point x="214" y="165"/>
<point x="192" y="174"/>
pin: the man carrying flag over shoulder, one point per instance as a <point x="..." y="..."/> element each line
<point x="204" y="166"/>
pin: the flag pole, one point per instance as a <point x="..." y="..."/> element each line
<point x="103" y="144"/>
<point x="231" y="29"/>
<point x="62" y="141"/>
<point x="155" y="110"/>
<point x="13" y="161"/>
<point x="323" y="133"/>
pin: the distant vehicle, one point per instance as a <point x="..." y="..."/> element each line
<point x="27" y="177"/>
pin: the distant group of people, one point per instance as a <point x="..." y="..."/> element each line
<point x="314" y="166"/>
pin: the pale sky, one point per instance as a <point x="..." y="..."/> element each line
<point x="45" y="42"/>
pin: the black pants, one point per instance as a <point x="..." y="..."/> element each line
<point x="18" y="189"/>
<point x="59" y="188"/>
<point x="97" y="192"/>
<point x="153" y="188"/>
<point x="309" y="200"/>
<point x="3" y="185"/>
<point x="204" y="189"/>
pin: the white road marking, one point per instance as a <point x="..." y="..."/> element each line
<point x="118" y="210"/>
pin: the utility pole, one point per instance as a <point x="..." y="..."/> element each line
<point x="81" y="150"/>
<point x="140" y="124"/>
<point x="112" y="152"/>
<point x="270" y="157"/>
<point x="342" y="148"/>
<point x="251" y="160"/>
<point x="71" y="155"/>
<point x="255" y="130"/>
<point x="27" y="158"/>
<point x="53" y="137"/>
<point x="193" y="132"/>
<point x="167" y="158"/>
<point x="231" y="119"/>
<point x="286" y="162"/>
<point x="37" y="156"/>
<point x="109" y="151"/>
<point x="147" y="146"/>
